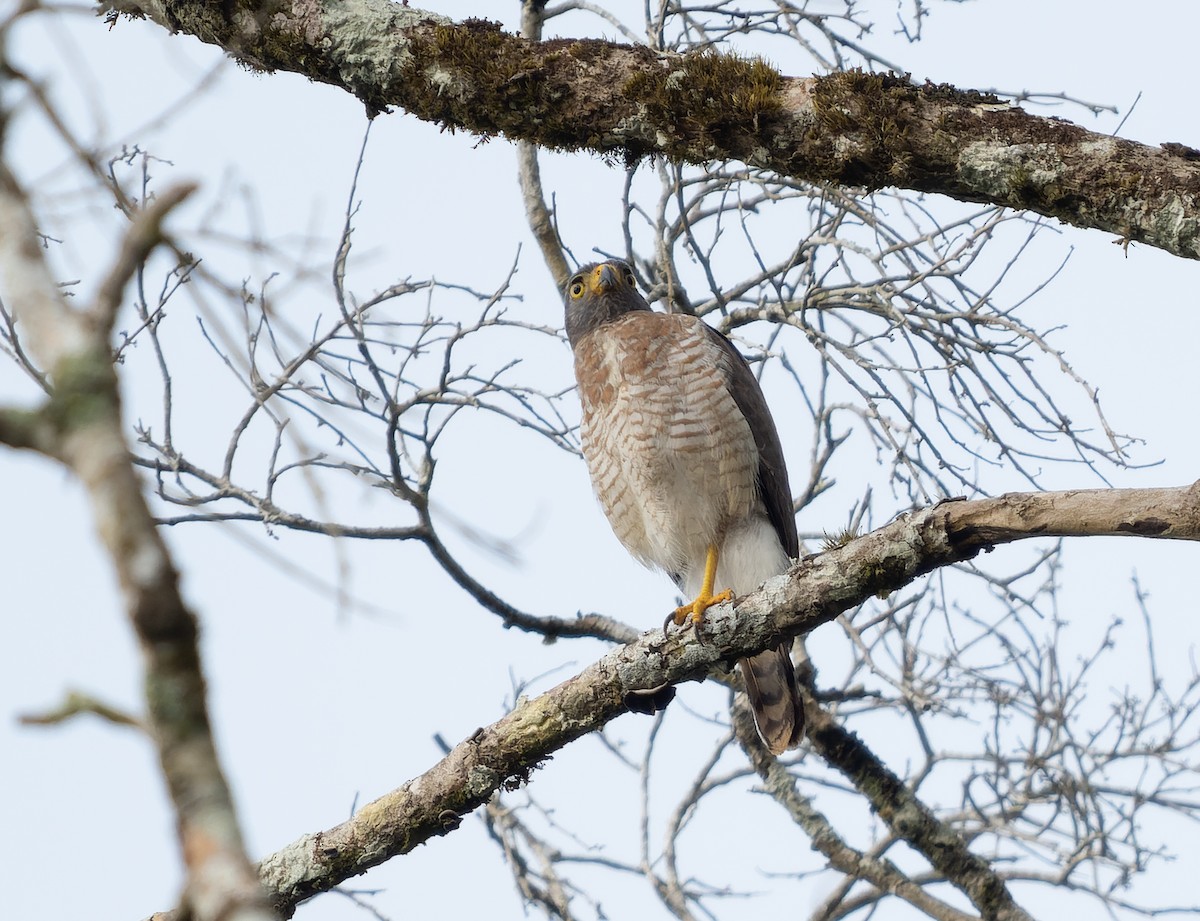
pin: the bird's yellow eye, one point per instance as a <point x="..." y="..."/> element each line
<point x="576" y="287"/>
<point x="629" y="278"/>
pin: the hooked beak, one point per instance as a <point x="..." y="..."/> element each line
<point x="605" y="278"/>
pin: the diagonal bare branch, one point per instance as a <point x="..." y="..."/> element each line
<point x="141" y="238"/>
<point x="815" y="591"/>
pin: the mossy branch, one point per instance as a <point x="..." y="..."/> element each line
<point x="627" y="102"/>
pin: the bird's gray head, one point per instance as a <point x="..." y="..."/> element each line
<point x="598" y="293"/>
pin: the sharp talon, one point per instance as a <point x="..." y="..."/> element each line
<point x="694" y="613"/>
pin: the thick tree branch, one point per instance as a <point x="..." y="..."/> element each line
<point x="813" y="592"/>
<point x="81" y="426"/>
<point x="856" y="129"/>
<point x="1168" y="512"/>
<point x="22" y="428"/>
<point x="51" y="330"/>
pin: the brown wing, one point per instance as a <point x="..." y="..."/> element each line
<point x="769" y="676"/>
<point x="773" y="485"/>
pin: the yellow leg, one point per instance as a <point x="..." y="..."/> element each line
<point x="706" y="599"/>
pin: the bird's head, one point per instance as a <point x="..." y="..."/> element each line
<point x="599" y="293"/>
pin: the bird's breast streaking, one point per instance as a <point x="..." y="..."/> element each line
<point x="673" y="460"/>
<point x="687" y="465"/>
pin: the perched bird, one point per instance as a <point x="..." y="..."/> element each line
<point x="686" y="462"/>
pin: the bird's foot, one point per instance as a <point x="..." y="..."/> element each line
<point x="694" y="611"/>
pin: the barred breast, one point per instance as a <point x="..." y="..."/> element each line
<point x="671" y="457"/>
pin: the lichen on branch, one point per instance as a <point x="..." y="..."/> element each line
<point x="628" y="101"/>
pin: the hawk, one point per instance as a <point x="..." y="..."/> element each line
<point x="686" y="462"/>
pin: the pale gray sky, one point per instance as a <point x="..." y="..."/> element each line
<point x="314" y="708"/>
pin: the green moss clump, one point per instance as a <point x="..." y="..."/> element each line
<point x="511" y="87"/>
<point x="874" y="110"/>
<point x="708" y="102"/>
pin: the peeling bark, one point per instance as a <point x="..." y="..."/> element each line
<point x="856" y="129"/>
<point x="814" y="592"/>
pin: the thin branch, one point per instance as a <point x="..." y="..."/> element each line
<point x="140" y="239"/>
<point x="77" y="703"/>
<point x="884" y="875"/>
